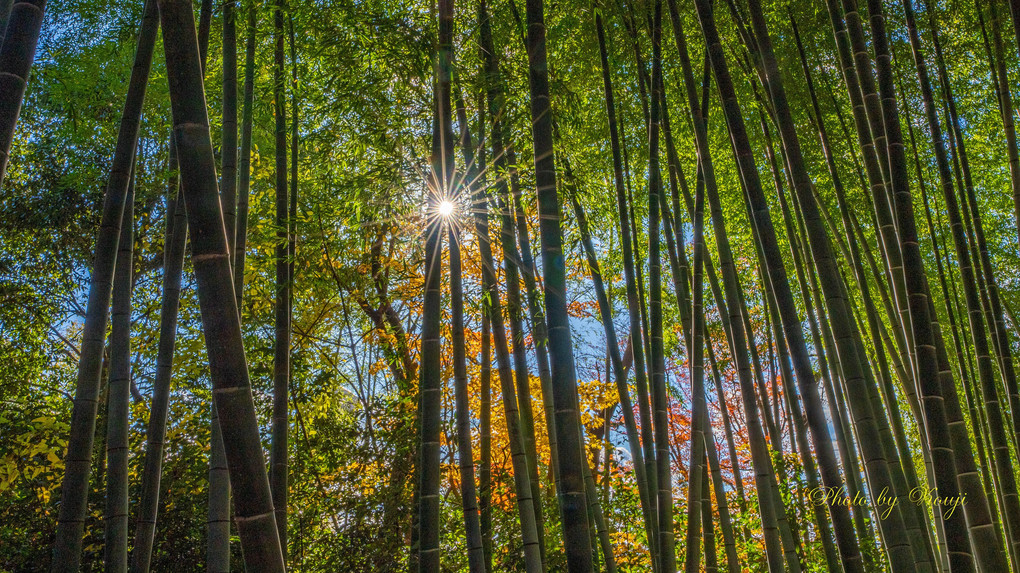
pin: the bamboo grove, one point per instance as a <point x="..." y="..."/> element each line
<point x="509" y="285"/>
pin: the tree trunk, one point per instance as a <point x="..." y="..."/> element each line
<point x="438" y="190"/>
<point x="278" y="470"/>
<point x="16" y="56"/>
<point x="240" y="238"/>
<point x="657" y="370"/>
<point x="256" y="522"/>
<point x="228" y="173"/>
<point x="115" y="519"/>
<point x="533" y="554"/>
<point x="699" y="407"/>
<point x="485" y="446"/>
<point x="469" y="500"/>
<point x="770" y="508"/>
<point x="173" y="266"/>
<point x="570" y="479"/>
<point x="74" y="490"/>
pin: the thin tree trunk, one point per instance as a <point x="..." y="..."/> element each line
<point x="439" y="184"/>
<point x="598" y="521"/>
<point x="218" y="517"/>
<point x="711" y="559"/>
<point x="256" y="522"/>
<point x="697" y="481"/>
<point x="16" y="56"/>
<point x="728" y="431"/>
<point x="533" y="554"/>
<point x="240" y="238"/>
<point x="469" y="500"/>
<point x="279" y="451"/>
<point x="978" y="512"/>
<point x="228" y="173"/>
<point x="78" y="460"/>
<point x="173" y="266"/>
<point x="719" y="488"/>
<point x="115" y="519"/>
<point x="485" y="447"/>
<point x="295" y="141"/>
<point x="770" y="508"/>
<point x="657" y="370"/>
<point x="570" y="479"/>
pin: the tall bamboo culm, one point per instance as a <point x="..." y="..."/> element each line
<point x="115" y="519"/>
<point x="253" y="505"/>
<point x="78" y="460"/>
<point x="278" y="471"/>
<point x="17" y="52"/>
<point x="431" y="385"/>
<point x="570" y="476"/>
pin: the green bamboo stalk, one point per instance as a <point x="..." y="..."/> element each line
<point x="978" y="516"/>
<point x="279" y="450"/>
<point x="228" y="172"/>
<point x="115" y="518"/>
<point x="763" y="469"/>
<point x="1001" y="80"/>
<point x="697" y="484"/>
<point x="256" y="524"/>
<point x="439" y="185"/>
<point x="839" y="417"/>
<point x="78" y="460"/>
<point x="645" y="493"/>
<point x="657" y="370"/>
<point x="17" y="52"/>
<point x="469" y="499"/>
<point x="485" y="446"/>
<point x="240" y="238"/>
<point x="721" y="502"/>
<point x="570" y="481"/>
<point x="155" y="435"/>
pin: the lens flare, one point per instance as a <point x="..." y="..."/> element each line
<point x="446" y="208"/>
